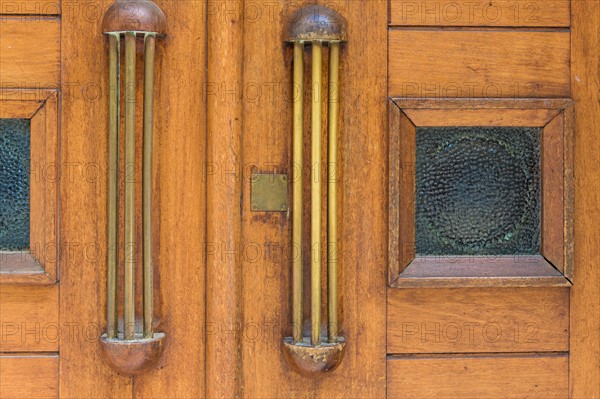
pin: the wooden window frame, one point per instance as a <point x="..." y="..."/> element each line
<point x="554" y="267"/>
<point x="39" y="264"/>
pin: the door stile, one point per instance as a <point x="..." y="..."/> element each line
<point x="584" y="367"/>
<point x="224" y="179"/>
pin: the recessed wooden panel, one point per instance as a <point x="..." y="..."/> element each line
<point x="477" y="320"/>
<point x="475" y="63"/>
<point x="480" y="13"/>
<point x="482" y="377"/>
<point x="30" y="52"/>
<point x="32" y="7"/>
<point x="29" y="376"/>
<point x="29" y="318"/>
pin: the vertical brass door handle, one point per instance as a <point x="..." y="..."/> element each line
<point x="317" y="27"/>
<point x="130" y="352"/>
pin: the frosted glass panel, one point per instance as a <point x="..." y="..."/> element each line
<point x="478" y="191"/>
<point x="14" y="184"/>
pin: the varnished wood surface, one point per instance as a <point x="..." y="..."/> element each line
<point x="585" y="296"/>
<point x="480" y="117"/>
<point x="484" y="377"/>
<point x="224" y="181"/>
<point x="553" y="211"/>
<point x="30" y="52"/>
<point x="180" y="205"/>
<point x="83" y="371"/>
<point x="29" y="376"/>
<point x="32" y="7"/>
<point x="463" y="320"/>
<point x="179" y="208"/>
<point x="478" y="63"/>
<point x="519" y="13"/>
<point x="501" y="271"/>
<point x="265" y="283"/>
<point x="29" y="318"/>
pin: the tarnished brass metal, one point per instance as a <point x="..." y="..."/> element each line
<point x="314" y="23"/>
<point x="309" y="360"/>
<point x="134" y="16"/>
<point x="113" y="184"/>
<point x="315" y="26"/>
<point x="133" y="357"/>
<point x="332" y="182"/>
<point x="269" y="192"/>
<point x="131" y="352"/>
<point x="315" y="214"/>
<point x="298" y="168"/>
<point x="149" y="43"/>
<point x="129" y="307"/>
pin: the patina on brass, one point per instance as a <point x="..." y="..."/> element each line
<point x="131" y="352"/>
<point x="129" y="306"/>
<point x="113" y="184"/>
<point x="315" y="26"/>
<point x="298" y="168"/>
<point x="269" y="192"/>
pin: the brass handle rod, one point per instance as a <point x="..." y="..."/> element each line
<point x="297" y="283"/>
<point x="333" y="109"/>
<point x="113" y="181"/>
<point x="317" y="65"/>
<point x="149" y="50"/>
<point x="129" y="307"/>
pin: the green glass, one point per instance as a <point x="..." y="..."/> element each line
<point x="478" y="191"/>
<point x="14" y="184"/>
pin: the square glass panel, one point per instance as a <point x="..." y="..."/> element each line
<point x="478" y="191"/>
<point x="14" y="184"/>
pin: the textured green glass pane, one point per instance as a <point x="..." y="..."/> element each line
<point x="14" y="184"/>
<point x="478" y="191"/>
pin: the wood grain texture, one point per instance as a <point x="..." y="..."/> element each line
<point x="19" y="109"/>
<point x="30" y="52"/>
<point x="475" y="63"/>
<point x="29" y="376"/>
<point x="553" y="211"/>
<point x="517" y="13"/>
<point x="466" y="271"/>
<point x="29" y="318"/>
<point x="180" y="209"/>
<point x="31" y="7"/>
<point x="585" y="295"/>
<point x="480" y="117"/>
<point x="225" y="164"/>
<point x="266" y="279"/>
<point x="485" y="377"/>
<point x="478" y="320"/>
<point x="83" y="371"/>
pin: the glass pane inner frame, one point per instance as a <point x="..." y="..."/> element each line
<point x="15" y="149"/>
<point x="30" y="174"/>
<point x="480" y="193"/>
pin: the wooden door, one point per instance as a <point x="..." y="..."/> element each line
<point x="417" y="324"/>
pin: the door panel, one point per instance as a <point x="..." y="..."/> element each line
<point x="478" y="320"/>
<point x="29" y="319"/>
<point x="479" y="63"/>
<point x="550" y="13"/>
<point x="486" y="376"/>
<point x="30" y="56"/>
<point x="29" y="376"/>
